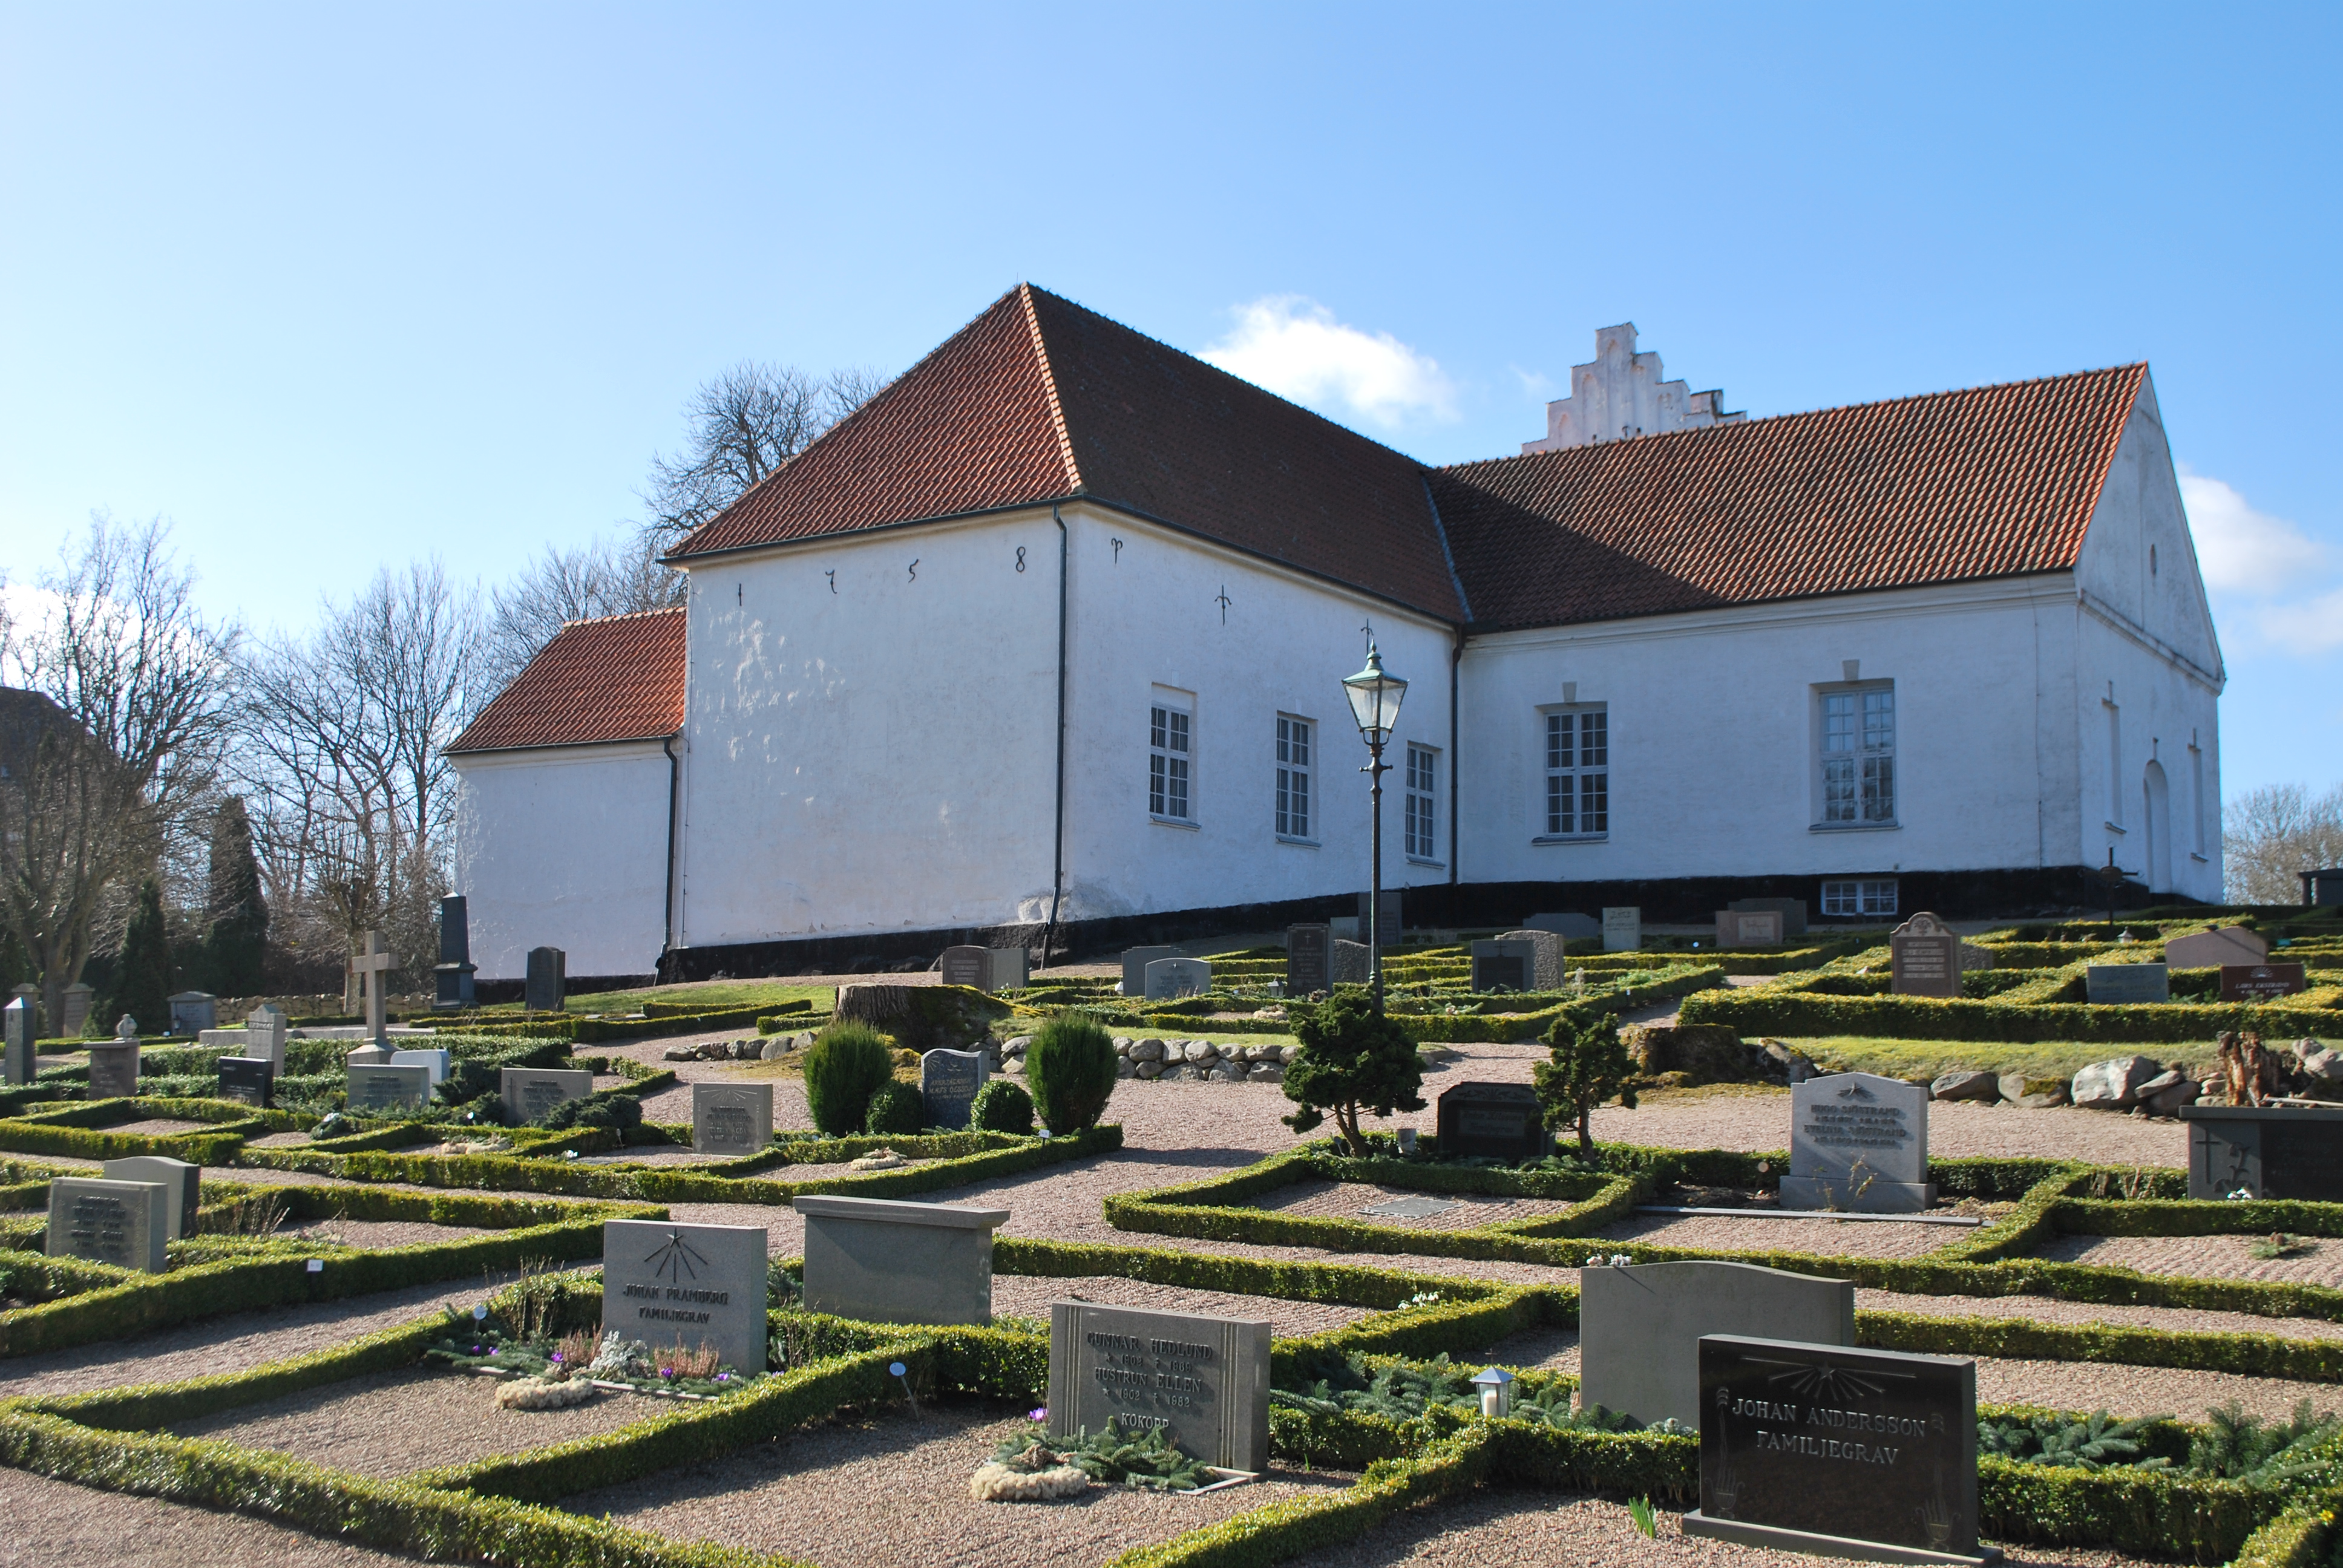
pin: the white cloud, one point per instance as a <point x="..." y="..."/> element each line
<point x="2313" y="626"/>
<point x="1294" y="347"/>
<point x="1536" y="385"/>
<point x="2240" y="549"/>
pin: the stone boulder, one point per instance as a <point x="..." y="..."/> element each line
<point x="2113" y="1084"/>
<point x="1779" y="1060"/>
<point x="1711" y="1050"/>
<point x="1965" y="1085"/>
<point x="1145" y="1050"/>
<point x="2159" y="1099"/>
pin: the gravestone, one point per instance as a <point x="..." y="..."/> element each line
<point x="529" y="1092"/>
<point x="1309" y="959"/>
<point x="248" y="1079"/>
<point x="1388" y="931"/>
<point x="1134" y="967"/>
<point x="378" y="1088"/>
<point x="113" y="1069"/>
<point x="182" y="1185"/>
<point x="1202" y="1382"/>
<point x="77" y="1010"/>
<point x="30" y="995"/>
<point x="2289" y="1152"/>
<point x="1417" y="1207"/>
<point x="1352" y="962"/>
<point x="689" y="1285"/>
<point x="1169" y="979"/>
<point x="20" y="1061"/>
<point x="948" y="1081"/>
<point x="118" y="1223"/>
<point x="1838" y="1452"/>
<point x="970" y="967"/>
<point x="2214" y="949"/>
<point x="1511" y="965"/>
<point x="1623" y="930"/>
<point x="547" y="987"/>
<point x="194" y="1011"/>
<point x="1547" y="973"/>
<point x="370" y="1055"/>
<point x="1570" y="928"/>
<point x="439" y="1063"/>
<point x="1748" y="928"/>
<point x="1640" y="1327"/>
<point x="1493" y="1120"/>
<point x="1012" y="967"/>
<point x="1791" y="910"/>
<point x="731" y="1118"/>
<point x="2106" y="983"/>
<point x="268" y="1023"/>
<point x="1925" y="958"/>
<point x="1347" y="929"/>
<point x="891" y="1262"/>
<point x="370" y="967"/>
<point x="2260" y="982"/>
<point x="452" y="986"/>
<point x="1858" y="1142"/>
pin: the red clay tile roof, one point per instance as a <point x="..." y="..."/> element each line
<point x="1040" y="400"/>
<point x="1995" y="481"/>
<point x="618" y="679"/>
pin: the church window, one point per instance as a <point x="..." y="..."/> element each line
<point x="1858" y="756"/>
<point x="1860" y="896"/>
<point x="1422" y="777"/>
<point x="1293" y="767"/>
<point x="1170" y="757"/>
<point x="1577" y="772"/>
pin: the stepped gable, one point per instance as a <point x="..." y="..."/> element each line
<point x="621" y="678"/>
<point x="1994" y="481"/>
<point x="1040" y="400"/>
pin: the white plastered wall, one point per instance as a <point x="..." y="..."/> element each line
<point x="564" y="847"/>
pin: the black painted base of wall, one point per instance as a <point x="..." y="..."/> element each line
<point x="498" y="990"/>
<point x="2056" y="893"/>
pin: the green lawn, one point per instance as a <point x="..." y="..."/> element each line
<point x="1925" y="1059"/>
<point x="711" y="995"/>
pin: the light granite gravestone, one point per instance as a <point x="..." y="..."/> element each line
<point x="1169" y="979"/>
<point x="1351" y="962"/>
<point x="2277" y="1151"/>
<point x="1925" y="958"/>
<point x="530" y="1092"/>
<point x="1309" y="959"/>
<point x="948" y="1081"/>
<point x="1134" y="967"/>
<point x="1547" y="972"/>
<point x="371" y="1054"/>
<point x="182" y="1185"/>
<point x="1492" y="1120"/>
<point x="689" y="1285"/>
<point x="731" y="1118"/>
<point x="1640" y="1327"/>
<point x="1502" y="965"/>
<point x="1838" y="1452"/>
<point x="1738" y="929"/>
<point x="378" y="1088"/>
<point x="1622" y="928"/>
<point x="2213" y="948"/>
<point x="113" y="1069"/>
<point x="547" y="988"/>
<point x="2261" y="982"/>
<point x="193" y="1011"/>
<point x="439" y="1062"/>
<point x="1202" y="1382"/>
<point x="20" y="1061"/>
<point x="30" y="995"/>
<point x="892" y="1262"/>
<point x="370" y="967"/>
<point x="262" y="1035"/>
<point x="248" y="1079"/>
<point x="1791" y="910"/>
<point x="2119" y="983"/>
<point x="118" y="1223"/>
<point x="1858" y="1142"/>
<point x="1569" y="927"/>
<point x="78" y="998"/>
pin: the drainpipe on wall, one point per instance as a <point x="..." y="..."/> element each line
<point x="1456" y="761"/>
<point x="666" y="933"/>
<point x="1058" y="850"/>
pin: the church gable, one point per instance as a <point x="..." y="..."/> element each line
<point x="2138" y="560"/>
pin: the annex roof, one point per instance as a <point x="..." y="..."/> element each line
<point x="621" y="678"/>
<point x="1039" y="400"/>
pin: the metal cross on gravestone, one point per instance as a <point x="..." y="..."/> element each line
<point x="372" y="966"/>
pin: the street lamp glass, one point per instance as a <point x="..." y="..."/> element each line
<point x="1376" y="698"/>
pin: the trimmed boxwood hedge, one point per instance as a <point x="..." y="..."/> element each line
<point x="1787" y="1010"/>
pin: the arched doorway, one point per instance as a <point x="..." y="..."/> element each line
<point x="2157" y="820"/>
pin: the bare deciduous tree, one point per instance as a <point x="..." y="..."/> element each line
<point x="620" y="576"/>
<point x="743" y="426"/>
<point x="2270" y="834"/>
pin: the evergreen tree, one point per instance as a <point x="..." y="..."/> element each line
<point x="1354" y="1059"/>
<point x="141" y="985"/>
<point x="1586" y="1065"/>
<point x="235" y="942"/>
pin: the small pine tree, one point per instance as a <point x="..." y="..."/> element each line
<point x="141" y="985"/>
<point x="1070" y="1067"/>
<point x="844" y="1067"/>
<point x="1586" y="1066"/>
<point x="1354" y="1058"/>
<point x="235" y="943"/>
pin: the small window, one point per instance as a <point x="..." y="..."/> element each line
<point x="1170" y="757"/>
<point x="1858" y="756"/>
<point x="1860" y="896"/>
<point x="1577" y="772"/>
<point x="1423" y="791"/>
<point x="1293" y="777"/>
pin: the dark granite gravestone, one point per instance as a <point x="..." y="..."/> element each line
<point x="2260" y="982"/>
<point x="1738" y="929"/>
<point x="1791" y="910"/>
<point x="2128" y="982"/>
<point x="1388" y="928"/>
<point x="948" y="1081"/>
<point x="1309" y="959"/>
<point x="2291" y="1152"/>
<point x="1506" y="965"/>
<point x="966" y="966"/>
<point x="731" y="1118"/>
<point x="193" y="1011"/>
<point x="1202" y="1382"/>
<point x="1838" y="1452"/>
<point x="30" y="995"/>
<point x="381" y="1090"/>
<point x="1926" y="954"/>
<point x="1493" y="1120"/>
<point x="452" y="975"/>
<point x="249" y="1080"/>
<point x="547" y="988"/>
<point x="19" y="1061"/>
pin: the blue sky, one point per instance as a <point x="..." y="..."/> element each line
<point x="336" y="286"/>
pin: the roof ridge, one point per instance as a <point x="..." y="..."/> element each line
<point x="1050" y="388"/>
<point x="622" y="615"/>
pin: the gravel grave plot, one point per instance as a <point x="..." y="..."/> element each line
<point x="382" y="1232"/>
<point x="279" y="1140"/>
<point x="1830" y="1237"/>
<point x="2129" y="1391"/>
<point x="56" y="1521"/>
<point x="1029" y="1296"/>
<point x="1757" y="1119"/>
<point x="394" y="1423"/>
<point x="1518" y="1527"/>
<point x="652" y="1154"/>
<point x="2045" y="1310"/>
<point x="1350" y="1199"/>
<point x="2201" y="1257"/>
<point x="157" y="1127"/>
<point x="891" y="1492"/>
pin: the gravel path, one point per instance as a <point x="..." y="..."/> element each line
<point x="892" y="1492"/>
<point x="1027" y="1296"/>
<point x="383" y="1233"/>
<point x="54" y="1522"/>
<point x="1752" y="1117"/>
<point x="2201" y="1258"/>
<point x="2043" y="1310"/>
<point x="157" y="1127"/>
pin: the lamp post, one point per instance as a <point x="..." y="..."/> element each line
<point x="1375" y="703"/>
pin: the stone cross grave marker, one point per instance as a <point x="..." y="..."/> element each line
<point x="1925" y="955"/>
<point x="529" y="1092"/>
<point x="113" y="1069"/>
<point x="2128" y="982"/>
<point x="1495" y="1121"/>
<point x="1791" y="910"/>
<point x="20" y="1061"/>
<point x="1169" y="979"/>
<point x="193" y="1011"/>
<point x="1858" y="1142"/>
<point x="731" y="1118"/>
<point x="1509" y="965"/>
<point x="1547" y="972"/>
<point x="378" y="1088"/>
<point x="371" y="965"/>
<point x="1622" y="928"/>
<point x="439" y="1062"/>
<point x="1308" y="960"/>
<point x="1831" y="1449"/>
<point x="1748" y="928"/>
<point x="1202" y="1381"/>
<point x="669" y="1284"/>
<point x="1134" y="967"/>
<point x="2260" y="982"/>
<point x="78" y="998"/>
<point x="118" y="1223"/>
<point x="182" y="1185"/>
<point x="1640" y="1327"/>
<point x="547" y="987"/>
<point x="248" y="1079"/>
<point x="886" y="1261"/>
<point x="2213" y="949"/>
<point x="948" y="1081"/>
<point x="2279" y="1151"/>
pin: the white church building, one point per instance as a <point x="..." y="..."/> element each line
<point x="1045" y="643"/>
